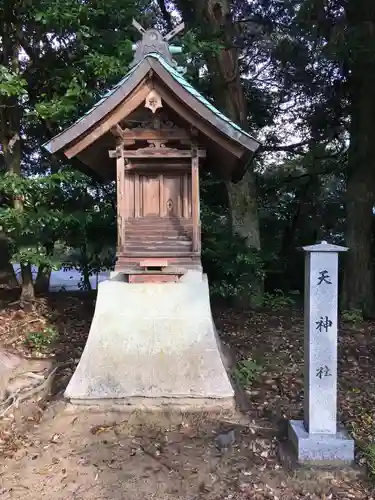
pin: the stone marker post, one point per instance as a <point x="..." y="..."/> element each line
<point x="318" y="439"/>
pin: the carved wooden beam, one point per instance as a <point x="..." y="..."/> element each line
<point x="162" y="153"/>
<point x="116" y="153"/>
<point x="173" y="134"/>
<point x="119" y="133"/>
<point x="140" y="166"/>
<point x="138" y="27"/>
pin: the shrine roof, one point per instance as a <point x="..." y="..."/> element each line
<point x="180" y="79"/>
<point x="184" y="83"/>
<point x="156" y="63"/>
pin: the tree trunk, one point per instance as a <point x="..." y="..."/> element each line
<point x="244" y="210"/>
<point x="7" y="274"/>
<point x="215" y="15"/>
<point x="358" y="287"/>
<point x="44" y="272"/>
<point x="86" y="280"/>
<point x="10" y="137"/>
<point x="86" y="285"/>
<point x="9" y="140"/>
<point x="43" y="279"/>
<point x="27" y="285"/>
<point x="230" y="97"/>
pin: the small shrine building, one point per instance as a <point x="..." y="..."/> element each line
<point x="152" y="132"/>
<point x="152" y="341"/>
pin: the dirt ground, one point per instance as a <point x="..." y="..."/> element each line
<point x="58" y="453"/>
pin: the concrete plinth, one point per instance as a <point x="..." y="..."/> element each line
<point x="320" y="449"/>
<point x="152" y="343"/>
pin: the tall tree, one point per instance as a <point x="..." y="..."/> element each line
<point x="327" y="61"/>
<point x="213" y="21"/>
<point x="359" y="67"/>
<point x="55" y="60"/>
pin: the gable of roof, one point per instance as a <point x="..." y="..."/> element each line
<point x="121" y="90"/>
<point x="233" y="128"/>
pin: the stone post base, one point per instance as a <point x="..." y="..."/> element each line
<point x="320" y="449"/>
<point x="152" y="345"/>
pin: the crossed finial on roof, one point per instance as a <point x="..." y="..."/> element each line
<point x="154" y="41"/>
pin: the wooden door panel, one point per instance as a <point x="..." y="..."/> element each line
<point x="150" y="195"/>
<point x="160" y="195"/>
<point x="172" y="196"/>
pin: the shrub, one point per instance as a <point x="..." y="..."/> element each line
<point x="246" y="372"/>
<point x="369" y="455"/>
<point x="40" y="340"/>
<point x="277" y="301"/>
<point x="354" y="316"/>
<point x="232" y="267"/>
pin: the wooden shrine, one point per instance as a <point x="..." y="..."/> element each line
<point x="152" y="133"/>
<point x="154" y="345"/>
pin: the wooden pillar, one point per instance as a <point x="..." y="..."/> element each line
<point x="186" y="196"/>
<point x="136" y="196"/>
<point x="161" y="196"/>
<point x="120" y="166"/>
<point x="195" y="202"/>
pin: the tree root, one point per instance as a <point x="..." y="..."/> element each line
<point x="19" y="396"/>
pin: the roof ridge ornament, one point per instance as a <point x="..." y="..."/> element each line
<point x="154" y="42"/>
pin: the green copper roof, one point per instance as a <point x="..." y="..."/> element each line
<point x="89" y="118"/>
<point x="184" y="83"/>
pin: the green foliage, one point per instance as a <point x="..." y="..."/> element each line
<point x="89" y="260"/>
<point x="231" y="266"/>
<point x="354" y="316"/>
<point x="196" y="44"/>
<point x="369" y="454"/>
<point x="37" y="256"/>
<point x="57" y="59"/>
<point x="11" y="83"/>
<point x="246" y="372"/>
<point x="40" y="340"/>
<point x="276" y="301"/>
<point x="62" y="207"/>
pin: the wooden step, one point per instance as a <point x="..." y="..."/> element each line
<point x="157" y="230"/>
<point x="176" y="250"/>
<point x="158" y="242"/>
<point x="158" y="219"/>
<point x="159" y="223"/>
<point x="156" y="237"/>
<point x="158" y="226"/>
<point x="146" y="254"/>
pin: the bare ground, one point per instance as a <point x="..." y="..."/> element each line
<point x="56" y="453"/>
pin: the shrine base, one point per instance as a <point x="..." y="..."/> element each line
<point x="152" y="345"/>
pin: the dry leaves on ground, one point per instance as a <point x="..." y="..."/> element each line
<point x="251" y="469"/>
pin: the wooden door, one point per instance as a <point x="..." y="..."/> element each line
<point x="172" y="195"/>
<point x="150" y="195"/>
<point x="161" y="195"/>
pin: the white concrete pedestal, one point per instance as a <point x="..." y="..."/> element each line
<point x="152" y="345"/>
